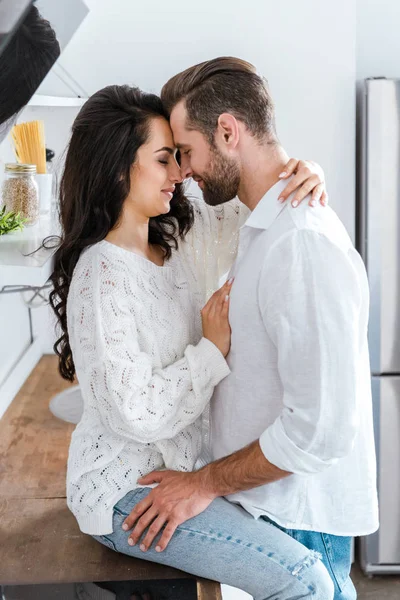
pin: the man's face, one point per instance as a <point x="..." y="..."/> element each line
<point x="217" y="175"/>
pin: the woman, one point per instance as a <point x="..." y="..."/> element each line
<point x="136" y="265"/>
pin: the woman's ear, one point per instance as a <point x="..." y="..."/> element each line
<point x="228" y="131"/>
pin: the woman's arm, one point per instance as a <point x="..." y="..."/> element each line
<point x="135" y="399"/>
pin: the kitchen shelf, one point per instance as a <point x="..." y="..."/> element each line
<point x="17" y="269"/>
<point x="39" y="100"/>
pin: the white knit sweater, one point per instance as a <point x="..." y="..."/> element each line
<point x="145" y="371"/>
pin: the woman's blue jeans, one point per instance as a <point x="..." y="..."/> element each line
<point x="226" y="544"/>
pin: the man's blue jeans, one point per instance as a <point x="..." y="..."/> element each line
<point x="336" y="556"/>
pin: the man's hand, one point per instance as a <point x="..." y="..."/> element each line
<point x="177" y="498"/>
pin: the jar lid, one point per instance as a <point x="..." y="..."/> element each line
<point x="19" y="168"/>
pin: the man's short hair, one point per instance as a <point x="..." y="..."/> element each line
<point x="222" y="85"/>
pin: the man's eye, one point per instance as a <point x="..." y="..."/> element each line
<point x="187" y="152"/>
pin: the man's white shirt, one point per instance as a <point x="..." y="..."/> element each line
<point x="300" y="375"/>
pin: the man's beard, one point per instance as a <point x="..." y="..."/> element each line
<point x="221" y="183"/>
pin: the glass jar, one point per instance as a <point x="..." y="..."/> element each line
<point x="20" y="191"/>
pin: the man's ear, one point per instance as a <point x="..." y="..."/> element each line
<point x="227" y="131"/>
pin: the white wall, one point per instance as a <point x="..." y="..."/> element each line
<point x="306" y="50"/>
<point x="378" y="38"/>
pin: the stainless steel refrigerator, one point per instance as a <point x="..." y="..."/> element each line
<point x="379" y="244"/>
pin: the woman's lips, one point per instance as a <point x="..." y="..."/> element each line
<point x="169" y="193"/>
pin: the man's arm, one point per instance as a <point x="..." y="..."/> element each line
<point x="243" y="470"/>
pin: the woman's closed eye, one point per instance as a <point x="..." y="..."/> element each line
<point x="164" y="159"/>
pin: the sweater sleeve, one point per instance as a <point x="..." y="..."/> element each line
<point x="136" y="400"/>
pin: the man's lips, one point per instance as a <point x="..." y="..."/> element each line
<point x="199" y="182"/>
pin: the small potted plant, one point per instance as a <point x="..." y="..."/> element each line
<point x="10" y="221"/>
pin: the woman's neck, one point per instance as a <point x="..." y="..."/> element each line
<point x="133" y="234"/>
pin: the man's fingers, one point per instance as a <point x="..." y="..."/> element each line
<point x="141" y="525"/>
<point x="154" y="477"/>
<point x="139" y="509"/>
<point x="152" y="532"/>
<point x="289" y="169"/>
<point x="166" y="536"/>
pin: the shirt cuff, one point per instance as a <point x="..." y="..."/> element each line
<point x="214" y="360"/>
<point x="279" y="449"/>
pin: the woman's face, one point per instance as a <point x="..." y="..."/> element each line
<point x="155" y="172"/>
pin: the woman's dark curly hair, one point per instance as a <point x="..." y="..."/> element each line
<point x="106" y="135"/>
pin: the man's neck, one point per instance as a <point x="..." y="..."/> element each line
<point x="261" y="168"/>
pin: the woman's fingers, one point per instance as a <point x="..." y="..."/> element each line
<point x="324" y="199"/>
<point x="224" y="305"/>
<point x="317" y="195"/>
<point x="225" y="308"/>
<point x="225" y="291"/>
<point x="305" y="190"/>
<point x="218" y="304"/>
<point x="217" y="298"/>
<point x="289" y="169"/>
<point x="293" y="184"/>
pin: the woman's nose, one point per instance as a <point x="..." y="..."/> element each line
<point x="186" y="169"/>
<point x="176" y="176"/>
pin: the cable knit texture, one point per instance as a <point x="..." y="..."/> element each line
<point x="145" y="371"/>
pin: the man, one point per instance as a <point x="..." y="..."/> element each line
<point x="291" y="428"/>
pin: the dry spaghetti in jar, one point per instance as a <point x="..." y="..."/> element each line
<point x="20" y="193"/>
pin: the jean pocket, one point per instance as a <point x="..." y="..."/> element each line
<point x="103" y="539"/>
<point x="338" y="555"/>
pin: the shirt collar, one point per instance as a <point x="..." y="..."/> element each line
<point x="268" y="208"/>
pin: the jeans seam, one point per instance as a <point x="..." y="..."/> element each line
<point x="249" y="546"/>
<point x="120" y="512"/>
<point x="330" y="561"/>
<point x="105" y="537"/>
